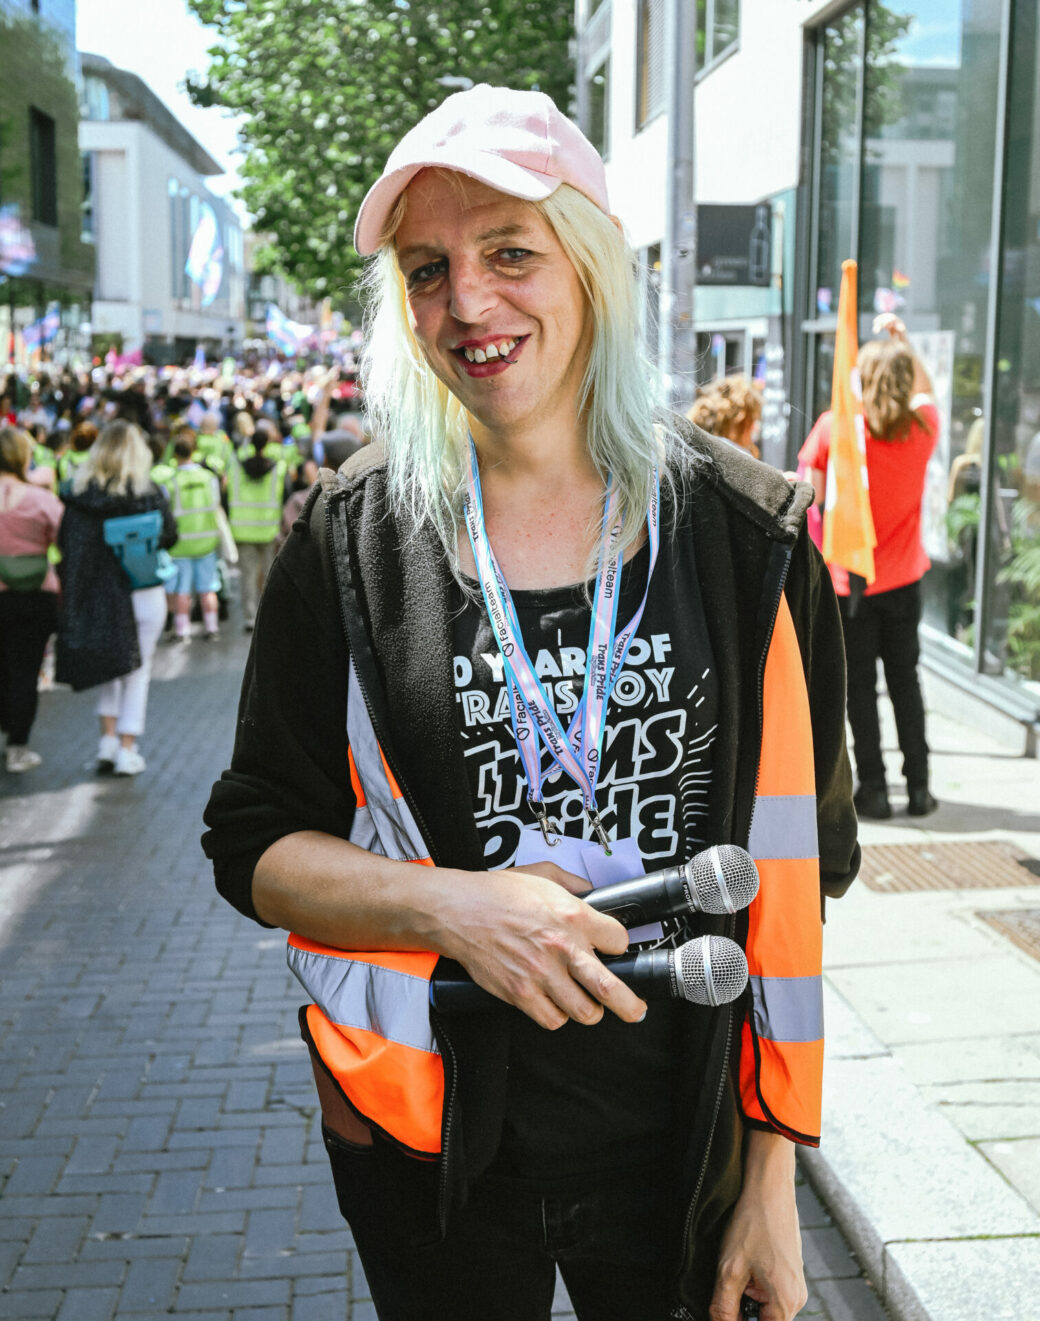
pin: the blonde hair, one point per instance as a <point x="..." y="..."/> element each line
<point x="886" y="372"/>
<point x="243" y="426"/>
<point x="726" y="406"/>
<point x="16" y="449"/>
<point x="119" y="460"/>
<point x="424" y="428"/>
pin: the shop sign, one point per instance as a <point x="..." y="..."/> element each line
<point x="733" y="245"/>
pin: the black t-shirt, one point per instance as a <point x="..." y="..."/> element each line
<point x="586" y="1098"/>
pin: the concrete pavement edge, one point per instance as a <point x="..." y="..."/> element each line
<point x="916" y="1201"/>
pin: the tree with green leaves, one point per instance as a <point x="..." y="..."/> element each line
<point x="326" y="88"/>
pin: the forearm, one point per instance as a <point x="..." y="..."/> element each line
<point x="522" y="936"/>
<point x="922" y="381"/>
<point x="769" y="1163"/>
<point x="329" y="890"/>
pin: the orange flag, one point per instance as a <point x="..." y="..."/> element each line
<point x="848" y="525"/>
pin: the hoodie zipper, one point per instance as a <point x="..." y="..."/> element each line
<point x="731" y="924"/>
<point x="442" y="1038"/>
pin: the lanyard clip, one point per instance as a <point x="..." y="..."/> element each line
<point x="550" y="832"/>
<point x="600" y="829"/>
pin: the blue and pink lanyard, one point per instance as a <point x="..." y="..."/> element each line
<point x="577" y="749"/>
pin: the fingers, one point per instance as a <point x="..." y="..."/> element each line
<point x="607" y="990"/>
<point x="572" y="884"/>
<point x="725" y="1301"/>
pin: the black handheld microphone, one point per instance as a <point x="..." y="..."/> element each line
<point x="709" y="970"/>
<point x="722" y="879"/>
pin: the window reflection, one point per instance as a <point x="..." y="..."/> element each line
<point x="1013" y="589"/>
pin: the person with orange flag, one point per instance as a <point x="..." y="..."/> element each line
<point x="867" y="457"/>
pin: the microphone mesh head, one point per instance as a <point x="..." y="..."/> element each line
<point x="724" y="879"/>
<point x="711" y="970"/>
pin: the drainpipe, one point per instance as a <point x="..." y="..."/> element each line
<point x="679" y="248"/>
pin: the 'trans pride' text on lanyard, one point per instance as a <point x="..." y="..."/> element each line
<point x="576" y="750"/>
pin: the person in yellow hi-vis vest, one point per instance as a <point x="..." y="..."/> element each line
<point x="538" y="638"/>
<point x="255" y="494"/>
<point x="195" y="501"/>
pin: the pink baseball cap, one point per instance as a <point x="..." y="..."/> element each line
<point x="516" y="142"/>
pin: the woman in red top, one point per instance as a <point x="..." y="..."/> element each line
<point x="902" y="425"/>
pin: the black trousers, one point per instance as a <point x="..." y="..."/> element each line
<point x="27" y="619"/>
<point x="885" y="626"/>
<point x="614" y="1236"/>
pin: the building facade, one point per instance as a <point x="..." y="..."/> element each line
<point x="904" y="134"/>
<point x="46" y="263"/>
<point x="170" y="254"/>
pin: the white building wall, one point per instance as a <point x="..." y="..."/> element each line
<point x="134" y="292"/>
<point x="113" y="280"/>
<point x="747" y="146"/>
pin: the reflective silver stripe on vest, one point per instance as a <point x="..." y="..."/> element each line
<point x="363" y="831"/>
<point x="788" y="1008"/>
<point x="394" y="1005"/>
<point x="395" y="831"/>
<point x="784" y="826"/>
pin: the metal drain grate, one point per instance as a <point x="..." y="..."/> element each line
<point x="1022" y="925"/>
<point x="967" y="865"/>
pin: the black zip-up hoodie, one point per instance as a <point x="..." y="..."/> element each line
<point x="353" y="580"/>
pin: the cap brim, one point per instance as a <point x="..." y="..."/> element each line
<point x="502" y="175"/>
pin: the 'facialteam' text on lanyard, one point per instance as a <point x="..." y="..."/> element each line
<point x="576" y="751"/>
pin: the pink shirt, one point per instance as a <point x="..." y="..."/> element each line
<point x="29" y="519"/>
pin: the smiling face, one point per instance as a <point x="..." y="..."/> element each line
<point x="494" y="302"/>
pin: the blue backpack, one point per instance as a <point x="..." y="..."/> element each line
<point x="134" y="540"/>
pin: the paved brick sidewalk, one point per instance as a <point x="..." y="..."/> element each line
<point x="159" y="1140"/>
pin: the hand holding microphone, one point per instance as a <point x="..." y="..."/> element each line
<point x="710" y="970"/>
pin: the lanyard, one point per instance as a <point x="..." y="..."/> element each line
<point x="576" y="750"/>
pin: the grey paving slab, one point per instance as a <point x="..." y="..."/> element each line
<point x="996" y="1279"/>
<point x="943" y="999"/>
<point x="1019" y="1162"/>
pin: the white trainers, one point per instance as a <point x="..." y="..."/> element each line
<point x="129" y="762"/>
<point x="21" y="759"/>
<point x="107" y="751"/>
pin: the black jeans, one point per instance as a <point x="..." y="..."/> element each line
<point x="614" y="1236"/>
<point x="27" y="619"/>
<point x="885" y="626"/>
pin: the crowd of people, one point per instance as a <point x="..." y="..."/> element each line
<point x="221" y="460"/>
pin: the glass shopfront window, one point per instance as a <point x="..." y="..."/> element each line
<point x="903" y="136"/>
<point x="1011" y="590"/>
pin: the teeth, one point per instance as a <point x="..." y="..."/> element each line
<point x="491" y="351"/>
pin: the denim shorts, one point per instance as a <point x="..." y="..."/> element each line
<point x="197" y="574"/>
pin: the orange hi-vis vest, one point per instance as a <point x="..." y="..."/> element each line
<point x="781" y="1055"/>
<point x="370" y="1022"/>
